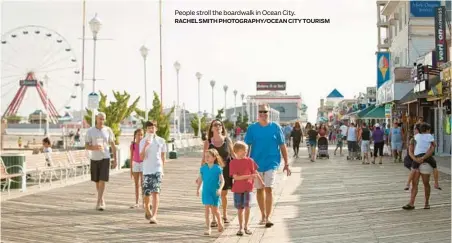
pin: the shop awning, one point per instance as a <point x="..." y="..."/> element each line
<point x="375" y="113"/>
<point x="363" y="112"/>
<point x="412" y="97"/>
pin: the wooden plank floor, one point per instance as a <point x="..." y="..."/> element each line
<point x="337" y="200"/>
<point x="67" y="214"/>
<point x="327" y="201"/>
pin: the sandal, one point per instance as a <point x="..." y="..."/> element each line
<point x="262" y="222"/>
<point x="240" y="233"/>
<point x="220" y="228"/>
<point x="153" y="221"/>
<point x="406" y="188"/>
<point x="268" y="224"/>
<point x="226" y="220"/>
<point x="437" y="187"/>
<point x="427" y="206"/>
<point x="248" y="232"/>
<point x="208" y="232"/>
<point x="214" y="224"/>
<point x="408" y="207"/>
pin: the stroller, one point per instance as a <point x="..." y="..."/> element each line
<point x="356" y="154"/>
<point x="323" y="148"/>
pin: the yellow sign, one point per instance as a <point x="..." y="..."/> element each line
<point x="447" y="73"/>
<point x="437" y="90"/>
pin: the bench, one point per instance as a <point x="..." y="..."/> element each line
<point x="9" y="177"/>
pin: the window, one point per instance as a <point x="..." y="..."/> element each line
<point x="400" y="19"/>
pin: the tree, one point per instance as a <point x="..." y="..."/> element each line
<point x="13" y="119"/>
<point x="116" y="111"/>
<point x="243" y="124"/>
<point x="157" y="114"/>
<point x="220" y="114"/>
<point x="194" y="124"/>
<point x="228" y="125"/>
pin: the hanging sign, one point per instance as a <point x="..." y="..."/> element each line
<point x="93" y="101"/>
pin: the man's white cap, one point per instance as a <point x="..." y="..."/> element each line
<point x="377" y="125"/>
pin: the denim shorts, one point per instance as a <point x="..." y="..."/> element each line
<point x="242" y="200"/>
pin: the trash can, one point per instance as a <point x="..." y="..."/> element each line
<point x="11" y="159"/>
<point x="173" y="154"/>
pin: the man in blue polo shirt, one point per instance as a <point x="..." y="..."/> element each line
<point x="267" y="143"/>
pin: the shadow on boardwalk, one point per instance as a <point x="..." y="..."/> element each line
<point x="67" y="214"/>
<point x="344" y="201"/>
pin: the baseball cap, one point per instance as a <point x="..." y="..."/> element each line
<point x="377" y="125"/>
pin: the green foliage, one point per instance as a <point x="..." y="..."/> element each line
<point x="194" y="124"/>
<point x="157" y="114"/>
<point x="243" y="124"/>
<point x="228" y="125"/>
<point x="13" y="119"/>
<point x="116" y="111"/>
<point x="220" y="114"/>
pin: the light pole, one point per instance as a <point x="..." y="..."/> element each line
<point x="95" y="26"/>
<point x="242" y="96"/>
<point x="235" y="106"/>
<point x="199" y="76"/>
<point x="144" y="53"/>
<point x="46" y="80"/>
<point x="212" y="84"/>
<point x="177" y="112"/>
<point x="225" y="88"/>
<point x="183" y="107"/>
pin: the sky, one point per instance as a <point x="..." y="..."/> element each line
<point x="312" y="58"/>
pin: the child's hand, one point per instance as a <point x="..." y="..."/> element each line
<point x="219" y="192"/>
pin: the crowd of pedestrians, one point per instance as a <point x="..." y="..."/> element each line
<point x="252" y="164"/>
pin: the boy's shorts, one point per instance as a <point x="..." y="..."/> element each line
<point x="431" y="160"/>
<point x="242" y="200"/>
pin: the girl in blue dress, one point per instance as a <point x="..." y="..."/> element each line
<point x="212" y="180"/>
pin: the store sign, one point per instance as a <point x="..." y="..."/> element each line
<point x="371" y="92"/>
<point x="388" y="110"/>
<point x="440" y="34"/>
<point x="423" y="8"/>
<point x="270" y="86"/>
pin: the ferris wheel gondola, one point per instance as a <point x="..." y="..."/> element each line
<point x="30" y="53"/>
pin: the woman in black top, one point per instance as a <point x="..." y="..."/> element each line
<point x="297" y="137"/>
<point x="217" y="138"/>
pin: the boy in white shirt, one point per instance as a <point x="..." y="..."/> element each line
<point x="152" y="152"/>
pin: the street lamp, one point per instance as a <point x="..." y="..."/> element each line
<point x="177" y="112"/>
<point x="199" y="76"/>
<point x="242" y="96"/>
<point x="212" y="84"/>
<point x="144" y="53"/>
<point x="235" y="105"/>
<point x="225" y="88"/>
<point x="46" y="81"/>
<point x="95" y="26"/>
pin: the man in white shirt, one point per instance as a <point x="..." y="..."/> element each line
<point x="344" y="129"/>
<point x="152" y="152"/>
<point x="97" y="140"/>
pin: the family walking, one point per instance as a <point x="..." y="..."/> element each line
<point x="241" y="167"/>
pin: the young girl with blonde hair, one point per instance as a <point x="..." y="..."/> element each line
<point x="212" y="180"/>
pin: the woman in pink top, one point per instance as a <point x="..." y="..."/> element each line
<point x="136" y="164"/>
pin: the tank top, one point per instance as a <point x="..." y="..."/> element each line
<point x="225" y="154"/>
<point x="351" y="136"/>
<point x="365" y="134"/>
<point x="396" y="135"/>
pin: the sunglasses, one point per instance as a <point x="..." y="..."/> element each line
<point x="263" y="112"/>
<point x="217" y="124"/>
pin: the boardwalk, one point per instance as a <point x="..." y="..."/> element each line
<point x="328" y="201"/>
<point x="344" y="201"/>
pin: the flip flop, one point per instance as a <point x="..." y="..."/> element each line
<point x="214" y="224"/>
<point x="406" y="188"/>
<point x="226" y="220"/>
<point x="248" y="232"/>
<point x="427" y="207"/>
<point x="153" y="221"/>
<point x="408" y="207"/>
<point x="438" y="187"/>
<point x="268" y="224"/>
<point x="239" y="233"/>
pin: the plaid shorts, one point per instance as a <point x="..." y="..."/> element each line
<point x="242" y="200"/>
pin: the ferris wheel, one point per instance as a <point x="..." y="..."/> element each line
<point x="39" y="58"/>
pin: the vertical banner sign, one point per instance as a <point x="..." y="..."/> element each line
<point x="383" y="72"/>
<point x="388" y="110"/>
<point x="440" y="34"/>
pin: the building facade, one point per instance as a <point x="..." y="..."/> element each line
<point x="288" y="107"/>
